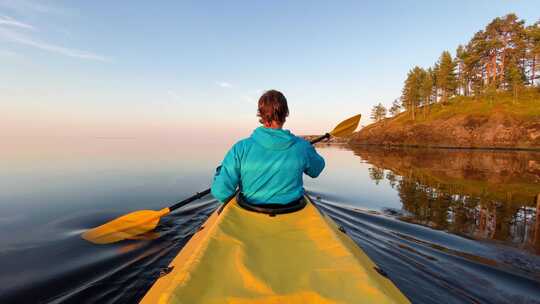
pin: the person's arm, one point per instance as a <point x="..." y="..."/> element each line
<point x="227" y="176"/>
<point x="314" y="163"/>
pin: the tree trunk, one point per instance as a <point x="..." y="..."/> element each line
<point x="488" y="71"/>
<point x="502" y="68"/>
<point x="444" y="96"/>
<point x="494" y="66"/>
<point x="533" y="70"/>
<point x="426" y="105"/>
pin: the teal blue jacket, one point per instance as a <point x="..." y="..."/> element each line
<point x="267" y="167"/>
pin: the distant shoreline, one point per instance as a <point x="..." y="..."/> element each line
<point x="500" y="123"/>
<point x="529" y="149"/>
<point x="349" y="142"/>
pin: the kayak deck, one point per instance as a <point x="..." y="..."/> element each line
<point x="244" y="257"/>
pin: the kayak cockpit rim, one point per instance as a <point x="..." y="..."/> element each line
<point x="271" y="209"/>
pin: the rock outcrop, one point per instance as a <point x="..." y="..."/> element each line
<point x="488" y="130"/>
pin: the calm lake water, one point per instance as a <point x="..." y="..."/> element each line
<point x="448" y="226"/>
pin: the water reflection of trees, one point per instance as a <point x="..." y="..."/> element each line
<point x="376" y="174"/>
<point x="456" y="194"/>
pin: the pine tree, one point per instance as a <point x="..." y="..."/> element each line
<point x="378" y="112"/>
<point x="426" y="89"/>
<point x="473" y="62"/>
<point x="411" y="94"/>
<point x="515" y="77"/>
<point x="514" y="51"/>
<point x="446" y="76"/>
<point x="463" y="71"/>
<point x="490" y="52"/>
<point x="395" y="109"/>
<point x="533" y="40"/>
<point x="505" y="55"/>
<point x="504" y="46"/>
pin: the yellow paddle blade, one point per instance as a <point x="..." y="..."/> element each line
<point x="346" y="127"/>
<point x="125" y="227"/>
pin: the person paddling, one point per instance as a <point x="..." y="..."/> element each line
<point x="268" y="166"/>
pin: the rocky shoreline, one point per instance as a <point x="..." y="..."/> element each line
<point x="496" y="129"/>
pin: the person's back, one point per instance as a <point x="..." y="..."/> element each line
<point x="268" y="166"/>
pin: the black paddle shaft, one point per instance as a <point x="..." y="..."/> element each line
<point x="205" y="192"/>
<point x="189" y="200"/>
<point x="318" y="139"/>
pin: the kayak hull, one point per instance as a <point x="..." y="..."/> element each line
<point x="240" y="256"/>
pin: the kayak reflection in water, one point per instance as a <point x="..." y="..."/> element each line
<point x="268" y="166"/>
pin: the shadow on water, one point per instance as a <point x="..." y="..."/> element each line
<point x="447" y="226"/>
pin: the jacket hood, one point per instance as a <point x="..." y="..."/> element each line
<point x="274" y="139"/>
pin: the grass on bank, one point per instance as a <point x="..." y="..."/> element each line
<point x="525" y="107"/>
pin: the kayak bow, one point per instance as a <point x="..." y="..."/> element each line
<point x="240" y="256"/>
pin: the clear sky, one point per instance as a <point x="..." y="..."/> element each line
<point x="171" y="68"/>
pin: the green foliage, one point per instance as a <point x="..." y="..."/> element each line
<point x="464" y="74"/>
<point x="533" y="34"/>
<point x="395" y="109"/>
<point x="533" y="41"/>
<point x="418" y="90"/>
<point x="446" y="76"/>
<point x="410" y="95"/>
<point x="515" y="78"/>
<point x="427" y="87"/>
<point x="378" y="112"/>
<point x="495" y="68"/>
<point x="503" y="57"/>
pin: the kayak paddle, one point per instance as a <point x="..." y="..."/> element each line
<point x="133" y="224"/>
<point x="142" y="221"/>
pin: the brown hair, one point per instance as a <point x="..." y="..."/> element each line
<point x="272" y="107"/>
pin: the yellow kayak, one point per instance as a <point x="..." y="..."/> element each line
<point x="239" y="256"/>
